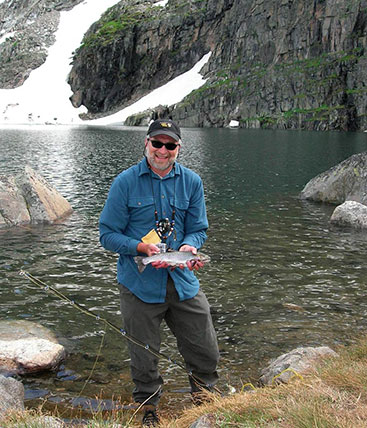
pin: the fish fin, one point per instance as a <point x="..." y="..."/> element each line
<point x="141" y="265"/>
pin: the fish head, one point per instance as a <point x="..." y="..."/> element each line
<point x="203" y="258"/>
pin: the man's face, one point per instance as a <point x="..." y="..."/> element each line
<point x="161" y="158"/>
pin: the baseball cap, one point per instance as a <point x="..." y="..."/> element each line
<point x="166" y="127"/>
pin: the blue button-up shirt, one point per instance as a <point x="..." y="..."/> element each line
<point x="128" y="215"/>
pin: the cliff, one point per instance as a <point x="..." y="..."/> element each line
<point x="137" y="46"/>
<point x="292" y="64"/>
<point x="280" y="64"/>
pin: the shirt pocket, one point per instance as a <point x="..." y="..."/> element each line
<point x="181" y="207"/>
<point x="141" y="210"/>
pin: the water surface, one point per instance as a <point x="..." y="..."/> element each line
<point x="268" y="248"/>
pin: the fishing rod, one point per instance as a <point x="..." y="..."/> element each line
<point x="119" y="330"/>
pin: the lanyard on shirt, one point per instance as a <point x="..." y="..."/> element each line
<point x="164" y="227"/>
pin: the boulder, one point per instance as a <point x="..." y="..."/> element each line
<point x="13" y="207"/>
<point x="145" y="117"/>
<point x="28" y="198"/>
<point x="345" y="181"/>
<point x="288" y="365"/>
<point x="48" y="421"/>
<point x="12" y="395"/>
<point x="205" y="421"/>
<point x="27" y="347"/>
<point x="352" y="214"/>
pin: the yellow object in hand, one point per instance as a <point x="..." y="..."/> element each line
<point x="151" y="238"/>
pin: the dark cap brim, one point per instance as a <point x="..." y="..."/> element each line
<point x="163" y="131"/>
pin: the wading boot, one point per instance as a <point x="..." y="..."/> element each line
<point x="150" y="417"/>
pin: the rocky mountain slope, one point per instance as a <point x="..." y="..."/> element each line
<point x="27" y="29"/>
<point x="274" y="63"/>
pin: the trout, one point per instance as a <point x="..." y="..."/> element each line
<point x="172" y="258"/>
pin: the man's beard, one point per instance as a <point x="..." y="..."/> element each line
<point x="159" y="166"/>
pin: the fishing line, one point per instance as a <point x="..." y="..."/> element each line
<point x="119" y="330"/>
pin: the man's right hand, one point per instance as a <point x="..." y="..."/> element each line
<point x="148" y="249"/>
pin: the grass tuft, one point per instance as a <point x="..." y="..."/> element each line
<point x="332" y="394"/>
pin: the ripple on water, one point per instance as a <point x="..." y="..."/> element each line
<point x="269" y="251"/>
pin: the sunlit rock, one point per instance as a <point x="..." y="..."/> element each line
<point x="293" y="363"/>
<point x="27" y="347"/>
<point x="352" y="214"/>
<point x="12" y="395"/>
<point x="13" y="207"/>
<point x="345" y="181"/>
<point x="206" y="421"/>
<point x="28" y="198"/>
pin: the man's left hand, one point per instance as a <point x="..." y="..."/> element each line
<point x="194" y="264"/>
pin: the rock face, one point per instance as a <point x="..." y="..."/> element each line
<point x="143" y="47"/>
<point x="12" y="395"/>
<point x="274" y="63"/>
<point x="28" y="198"/>
<point x="277" y="64"/>
<point x="27" y="347"/>
<point x="287" y="365"/>
<point x="350" y="214"/>
<point x="345" y="181"/>
<point x="27" y="29"/>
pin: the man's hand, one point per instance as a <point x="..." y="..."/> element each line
<point x="151" y="250"/>
<point x="160" y="265"/>
<point x="186" y="247"/>
<point x="194" y="264"/>
<point x="148" y="249"/>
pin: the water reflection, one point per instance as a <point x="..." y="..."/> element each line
<point x="269" y="251"/>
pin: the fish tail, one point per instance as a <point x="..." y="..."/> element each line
<point x="141" y="265"/>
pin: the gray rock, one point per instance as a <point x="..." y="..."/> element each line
<point x="205" y="421"/>
<point x="352" y="214"/>
<point x="47" y="422"/>
<point x="12" y="395"/>
<point x="13" y="207"/>
<point x="288" y="365"/>
<point x="27" y="347"/>
<point x="345" y="181"/>
<point x="28" y="198"/>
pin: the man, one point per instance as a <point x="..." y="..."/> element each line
<point x="160" y="201"/>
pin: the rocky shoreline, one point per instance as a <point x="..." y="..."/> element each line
<point x="27" y="347"/>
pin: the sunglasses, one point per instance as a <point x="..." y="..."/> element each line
<point x="158" y="145"/>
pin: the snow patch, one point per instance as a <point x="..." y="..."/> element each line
<point x="168" y="94"/>
<point x="44" y="97"/>
<point x="161" y="3"/>
<point x="6" y="36"/>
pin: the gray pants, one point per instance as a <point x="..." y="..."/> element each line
<point x="189" y="320"/>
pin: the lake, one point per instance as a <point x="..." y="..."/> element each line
<point x="269" y="250"/>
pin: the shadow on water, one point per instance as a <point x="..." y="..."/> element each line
<point x="280" y="276"/>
